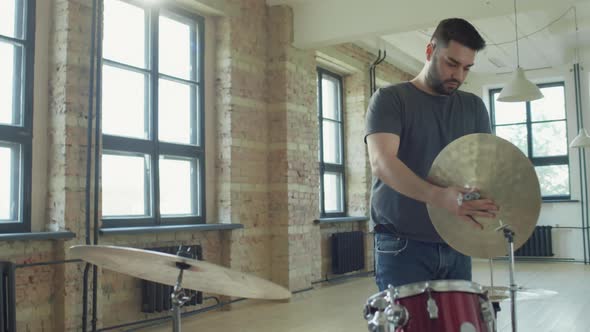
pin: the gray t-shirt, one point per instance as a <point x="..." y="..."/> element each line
<point x="425" y="125"/>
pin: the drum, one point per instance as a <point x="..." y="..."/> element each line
<point x="431" y="306"/>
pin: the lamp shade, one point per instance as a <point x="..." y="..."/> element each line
<point x="582" y="140"/>
<point x="520" y="89"/>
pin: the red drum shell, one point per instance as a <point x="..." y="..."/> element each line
<point x="454" y="310"/>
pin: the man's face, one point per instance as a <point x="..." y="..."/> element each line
<point x="448" y="66"/>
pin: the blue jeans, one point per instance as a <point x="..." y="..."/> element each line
<point x="400" y="261"/>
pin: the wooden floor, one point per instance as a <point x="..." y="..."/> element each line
<point x="338" y="306"/>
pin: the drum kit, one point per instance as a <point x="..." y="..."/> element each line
<point x="492" y="165"/>
<point x="500" y="171"/>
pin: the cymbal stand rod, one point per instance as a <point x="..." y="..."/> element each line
<point x="509" y="234"/>
<point x="492" y="275"/>
<point x="178" y="299"/>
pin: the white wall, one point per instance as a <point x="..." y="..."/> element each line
<point x="567" y="243"/>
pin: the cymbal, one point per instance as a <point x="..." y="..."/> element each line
<point x="160" y="267"/>
<point x="501" y="293"/>
<point x="500" y="171"/>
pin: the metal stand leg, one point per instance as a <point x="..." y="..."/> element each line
<point x="492" y="276"/>
<point x="178" y="298"/>
<point x="176" y="318"/>
<point x="509" y="235"/>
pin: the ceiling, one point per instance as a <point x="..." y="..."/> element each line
<point x="546" y="28"/>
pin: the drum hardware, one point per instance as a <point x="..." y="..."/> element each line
<point x="178" y="296"/>
<point x="431" y="306"/>
<point x="418" y="307"/>
<point x="378" y="321"/>
<point x="509" y="235"/>
<point x="397" y="315"/>
<point x="488" y="314"/>
<point x="491" y="274"/>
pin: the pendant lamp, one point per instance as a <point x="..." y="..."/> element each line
<point x="519" y="88"/>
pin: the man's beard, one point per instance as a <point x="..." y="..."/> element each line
<point x="435" y="83"/>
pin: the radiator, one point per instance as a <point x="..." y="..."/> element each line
<point x="156" y="296"/>
<point x="539" y="244"/>
<point x="348" y="252"/>
<point x="8" y="298"/>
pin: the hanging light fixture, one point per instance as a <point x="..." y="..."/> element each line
<point x="582" y="140"/>
<point x="519" y="88"/>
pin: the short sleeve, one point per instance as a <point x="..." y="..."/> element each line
<point x="383" y="114"/>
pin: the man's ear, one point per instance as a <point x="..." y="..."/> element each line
<point x="430" y="50"/>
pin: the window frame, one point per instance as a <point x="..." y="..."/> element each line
<point x="538" y="161"/>
<point x="330" y="167"/>
<point x="22" y="135"/>
<point x="151" y="146"/>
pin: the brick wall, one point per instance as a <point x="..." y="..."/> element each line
<point x="358" y="171"/>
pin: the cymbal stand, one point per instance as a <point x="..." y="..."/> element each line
<point x="491" y="276"/>
<point x="179" y="298"/>
<point x="509" y="235"/>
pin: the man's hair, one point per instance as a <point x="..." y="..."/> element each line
<point x="459" y="30"/>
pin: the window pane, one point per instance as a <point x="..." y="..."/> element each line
<point x="175" y="48"/>
<point x="551" y="107"/>
<point x="505" y="113"/>
<point x="549" y="139"/>
<point x="123" y="103"/>
<point x="12" y="15"/>
<point x="330" y="98"/>
<point x="515" y="134"/>
<point x="11" y="69"/>
<point x="178" y="193"/>
<point x="176" y="121"/>
<point x="124" y="189"/>
<point x="333" y="192"/>
<point x="10" y="182"/>
<point x="124" y="33"/>
<point x="554" y="180"/>
<point x="5" y="183"/>
<point x="331" y="142"/>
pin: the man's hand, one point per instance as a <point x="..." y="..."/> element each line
<point x="451" y="199"/>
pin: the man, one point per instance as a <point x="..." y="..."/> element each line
<point x="407" y="125"/>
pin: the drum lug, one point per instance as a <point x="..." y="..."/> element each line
<point x="431" y="306"/>
<point x="379" y="323"/>
<point x="487" y="313"/>
<point x="397" y="315"/>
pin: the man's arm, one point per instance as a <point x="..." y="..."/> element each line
<point x="385" y="165"/>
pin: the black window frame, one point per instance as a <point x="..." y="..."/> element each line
<point x="330" y="167"/>
<point x="537" y="161"/>
<point x="152" y="146"/>
<point x="22" y="135"/>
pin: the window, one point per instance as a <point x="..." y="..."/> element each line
<point x="331" y="156"/>
<point x="17" y="41"/>
<point x="538" y="129"/>
<point x="152" y="116"/>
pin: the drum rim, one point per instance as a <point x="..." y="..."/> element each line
<point x="437" y="286"/>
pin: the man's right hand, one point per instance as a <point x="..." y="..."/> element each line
<point x="451" y="199"/>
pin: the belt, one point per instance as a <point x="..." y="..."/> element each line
<point x="382" y="229"/>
